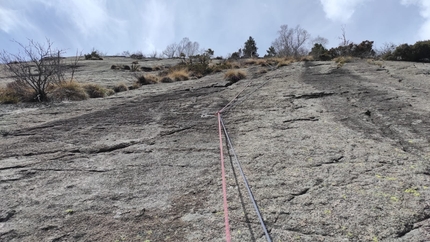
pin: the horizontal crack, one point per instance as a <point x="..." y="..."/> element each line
<point x="331" y="161"/>
<point x="64" y="170"/>
<point x="313" y="95"/>
<point x="166" y="133"/>
<point x="300" y="119"/>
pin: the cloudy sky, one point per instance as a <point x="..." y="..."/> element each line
<point x="114" y="26"/>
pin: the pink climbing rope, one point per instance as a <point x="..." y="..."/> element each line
<point x="224" y="185"/>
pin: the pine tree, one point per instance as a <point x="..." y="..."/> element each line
<point x="250" y="49"/>
<point x="271" y="52"/>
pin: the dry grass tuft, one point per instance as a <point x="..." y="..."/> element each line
<point x="342" y="60"/>
<point x="17" y="91"/>
<point x="307" y="58"/>
<point x="234" y="75"/>
<point x="8" y="96"/>
<point x="146" y="80"/>
<point x="121" y="87"/>
<point x="110" y="92"/>
<point x="373" y="62"/>
<point x="260" y="62"/>
<point x="166" y="79"/>
<point x="179" y="75"/>
<point x="262" y="71"/>
<point x="284" y="62"/>
<point x="72" y="91"/>
<point x="95" y="90"/>
<point x="234" y="64"/>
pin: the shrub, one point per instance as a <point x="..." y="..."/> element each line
<point x="134" y="67"/>
<point x="419" y="52"/>
<point x="221" y="66"/>
<point x="95" y="90"/>
<point x="234" y="75"/>
<point x="364" y="49"/>
<point x="386" y="51"/>
<point x="137" y="55"/>
<point x="318" y="52"/>
<point x="120" y="88"/>
<point x="72" y="91"/>
<point x="166" y="79"/>
<point x="146" y="80"/>
<point x="38" y="68"/>
<point x="199" y="69"/>
<point x="94" y="55"/>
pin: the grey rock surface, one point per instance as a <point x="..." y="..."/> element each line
<point x="331" y="154"/>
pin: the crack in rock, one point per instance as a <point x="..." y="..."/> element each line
<point x="65" y="170"/>
<point x="5" y="215"/>
<point x="331" y="161"/>
<point x="313" y="95"/>
<point x="170" y="132"/>
<point x="300" y="119"/>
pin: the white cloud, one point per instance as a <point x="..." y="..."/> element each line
<point x="424" y="5"/>
<point x="12" y="19"/>
<point x="158" y="20"/>
<point x="340" y="10"/>
<point x="89" y="17"/>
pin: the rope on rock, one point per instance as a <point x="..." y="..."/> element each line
<point x="224" y="186"/>
<point x="251" y="196"/>
<point x="221" y="127"/>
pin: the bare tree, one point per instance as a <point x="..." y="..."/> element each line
<point x="39" y="66"/>
<point x="192" y="48"/>
<point x="171" y="50"/>
<point x="319" y="40"/>
<point x="343" y="40"/>
<point x="74" y="64"/>
<point x="291" y="42"/>
<point x="153" y="54"/>
<point x="187" y="47"/>
<point x="386" y="50"/>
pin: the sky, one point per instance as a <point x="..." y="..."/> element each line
<point x="114" y="26"/>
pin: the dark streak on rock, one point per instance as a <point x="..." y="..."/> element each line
<point x="300" y="119"/>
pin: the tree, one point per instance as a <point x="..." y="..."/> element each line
<point x="170" y="50"/>
<point x="250" y="49"/>
<point x="343" y="40"/>
<point x="39" y="66"/>
<point x="364" y="49"/>
<point x="386" y="51"/>
<point x="319" y="52"/>
<point x="187" y="47"/>
<point x="319" y="40"/>
<point x="153" y="54"/>
<point x="420" y="52"/>
<point x="271" y="52"/>
<point x="291" y="42"/>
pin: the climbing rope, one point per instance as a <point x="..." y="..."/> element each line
<point x="221" y="127"/>
<point x="251" y="196"/>
<point x="224" y="186"/>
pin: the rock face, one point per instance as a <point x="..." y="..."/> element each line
<point x="330" y="154"/>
